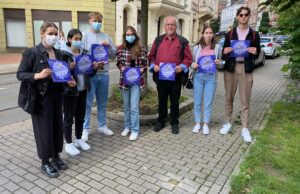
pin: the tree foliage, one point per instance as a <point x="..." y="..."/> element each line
<point x="288" y="23"/>
<point x="215" y="25"/>
<point x="235" y="23"/>
<point x="265" y="23"/>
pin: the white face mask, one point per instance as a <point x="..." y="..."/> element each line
<point x="51" y="40"/>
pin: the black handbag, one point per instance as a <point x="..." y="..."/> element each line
<point x="27" y="97"/>
<point x="189" y="83"/>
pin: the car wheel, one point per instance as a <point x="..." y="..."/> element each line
<point x="262" y="63"/>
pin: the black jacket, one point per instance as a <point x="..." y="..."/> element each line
<point x="249" y="61"/>
<point x="34" y="60"/>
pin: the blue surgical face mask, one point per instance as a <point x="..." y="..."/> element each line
<point x="96" y="26"/>
<point x="76" y="44"/>
<point x="130" y="38"/>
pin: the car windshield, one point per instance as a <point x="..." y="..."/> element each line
<point x="265" y="40"/>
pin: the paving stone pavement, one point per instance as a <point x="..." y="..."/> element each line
<point x="155" y="163"/>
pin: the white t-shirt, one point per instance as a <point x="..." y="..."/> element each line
<point x="90" y="38"/>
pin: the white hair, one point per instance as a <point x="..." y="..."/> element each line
<point x="171" y="17"/>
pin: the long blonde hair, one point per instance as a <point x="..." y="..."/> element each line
<point x="136" y="47"/>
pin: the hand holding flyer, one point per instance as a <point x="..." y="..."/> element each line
<point x="132" y="76"/>
<point x="207" y="64"/>
<point x="84" y="64"/>
<point x="239" y="48"/>
<point x="100" y="53"/>
<point x="60" y="70"/>
<point x="167" y="71"/>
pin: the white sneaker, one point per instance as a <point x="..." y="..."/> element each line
<point x="226" y="128"/>
<point x="125" y="132"/>
<point x="104" y="129"/>
<point x="196" y="128"/>
<point x="133" y="136"/>
<point x="205" y="129"/>
<point x="85" y="135"/>
<point x="71" y="149"/>
<point x="246" y="135"/>
<point x="80" y="143"/>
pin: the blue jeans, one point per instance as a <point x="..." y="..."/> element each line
<point x="204" y="92"/>
<point x="99" y="87"/>
<point x="131" y="99"/>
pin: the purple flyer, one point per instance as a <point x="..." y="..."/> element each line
<point x="132" y="76"/>
<point x="207" y="64"/>
<point x="60" y="70"/>
<point x="167" y="71"/>
<point x="100" y="53"/>
<point x="84" y="64"/>
<point x="239" y="48"/>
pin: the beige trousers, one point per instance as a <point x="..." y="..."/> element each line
<point x="231" y="82"/>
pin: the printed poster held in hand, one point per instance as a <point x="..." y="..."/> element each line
<point x="239" y="48"/>
<point x="207" y="64"/>
<point x="132" y="76"/>
<point x="100" y="53"/>
<point x="167" y="71"/>
<point x="60" y="71"/>
<point x="84" y="64"/>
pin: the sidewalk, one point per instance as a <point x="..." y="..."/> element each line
<point x="155" y="163"/>
<point x="9" y="62"/>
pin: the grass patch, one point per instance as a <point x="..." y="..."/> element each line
<point x="273" y="163"/>
<point x="148" y="101"/>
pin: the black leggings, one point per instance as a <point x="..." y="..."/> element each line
<point x="74" y="106"/>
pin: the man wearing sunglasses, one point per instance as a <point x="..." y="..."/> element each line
<point x="239" y="70"/>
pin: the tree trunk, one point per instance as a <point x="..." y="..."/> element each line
<point x="144" y="30"/>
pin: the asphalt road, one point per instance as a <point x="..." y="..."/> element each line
<point x="9" y="88"/>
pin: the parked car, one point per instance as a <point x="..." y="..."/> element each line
<point x="259" y="61"/>
<point x="270" y="46"/>
<point x="282" y="39"/>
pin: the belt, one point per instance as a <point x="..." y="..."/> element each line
<point x="240" y="61"/>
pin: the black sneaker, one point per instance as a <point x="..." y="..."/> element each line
<point x="59" y="164"/>
<point x="175" y="129"/>
<point x="158" y="126"/>
<point x="49" y="170"/>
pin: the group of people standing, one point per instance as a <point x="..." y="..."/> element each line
<point x="60" y="103"/>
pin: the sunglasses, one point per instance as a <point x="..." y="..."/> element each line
<point x="242" y="15"/>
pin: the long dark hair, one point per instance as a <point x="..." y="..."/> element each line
<point x="136" y="47"/>
<point x="72" y="33"/>
<point x="202" y="41"/>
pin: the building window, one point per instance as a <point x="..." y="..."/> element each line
<point x="83" y="21"/>
<point x="125" y="19"/>
<point x="180" y="27"/>
<point x="62" y="19"/>
<point x="15" y="22"/>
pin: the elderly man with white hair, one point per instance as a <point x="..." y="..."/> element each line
<point x="170" y="57"/>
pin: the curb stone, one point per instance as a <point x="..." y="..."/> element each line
<point x="148" y="119"/>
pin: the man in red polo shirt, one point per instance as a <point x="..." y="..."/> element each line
<point x="169" y="61"/>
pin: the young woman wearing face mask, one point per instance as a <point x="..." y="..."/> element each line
<point x="131" y="54"/>
<point x="205" y="81"/>
<point x="74" y="99"/>
<point x="100" y="80"/>
<point x="47" y="118"/>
